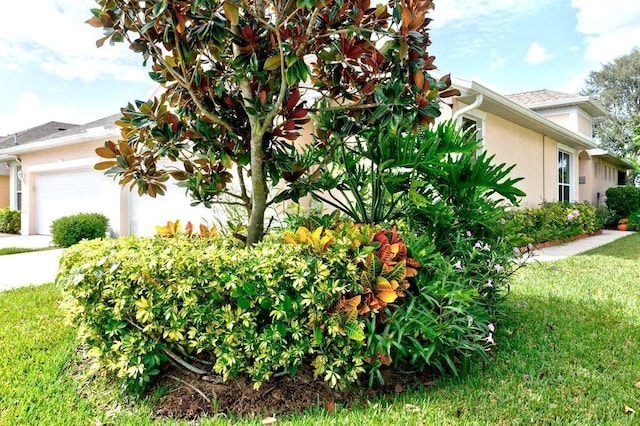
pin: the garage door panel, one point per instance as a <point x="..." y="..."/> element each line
<point x="65" y="193"/>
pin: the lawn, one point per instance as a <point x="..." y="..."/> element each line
<point x="568" y="353"/>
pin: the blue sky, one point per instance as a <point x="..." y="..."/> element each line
<point x="50" y="69"/>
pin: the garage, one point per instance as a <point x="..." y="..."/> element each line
<point x="145" y="213"/>
<point x="64" y="193"/>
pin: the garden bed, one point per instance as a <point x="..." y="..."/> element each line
<point x="189" y="396"/>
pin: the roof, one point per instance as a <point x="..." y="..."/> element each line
<point x="545" y="99"/>
<point x="105" y="123"/>
<point x="611" y="158"/>
<point x="45" y="130"/>
<point x="508" y="109"/>
<point x="101" y="129"/>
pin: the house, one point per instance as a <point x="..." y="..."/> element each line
<point x="53" y="176"/>
<point x="10" y="168"/>
<point x="547" y="135"/>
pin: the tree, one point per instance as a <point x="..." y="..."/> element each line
<point x="617" y="87"/>
<point x="241" y="78"/>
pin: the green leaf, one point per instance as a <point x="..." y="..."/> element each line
<point x="305" y="4"/>
<point x="354" y="332"/>
<point x="244" y="303"/>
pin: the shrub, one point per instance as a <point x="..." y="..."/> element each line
<point x="346" y="300"/>
<point x="633" y="223"/>
<point x="69" y="230"/>
<point x="9" y="221"/>
<point x="623" y="200"/>
<point x="605" y="217"/>
<point x="551" y="222"/>
<point x="255" y="311"/>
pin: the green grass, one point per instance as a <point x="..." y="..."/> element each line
<point x="18" y="250"/>
<point x="569" y="353"/>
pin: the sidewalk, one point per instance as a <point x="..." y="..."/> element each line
<point x="23" y="269"/>
<point x="576" y="247"/>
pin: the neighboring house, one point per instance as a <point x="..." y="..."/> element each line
<point x="53" y="176"/>
<point x="547" y="135"/>
<point x="10" y="170"/>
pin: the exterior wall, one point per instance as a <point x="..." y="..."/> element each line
<point x="572" y="118"/>
<point x="4" y="191"/>
<point x="589" y="175"/>
<point x="563" y="119"/>
<point x="585" y="124"/>
<point x="600" y="175"/>
<point x="535" y="157"/>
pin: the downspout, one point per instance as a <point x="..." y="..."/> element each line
<point x="475" y="104"/>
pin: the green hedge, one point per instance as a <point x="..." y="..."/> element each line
<point x="623" y="200"/>
<point x="9" y="221"/>
<point x="552" y="222"/>
<point x="69" y="230"/>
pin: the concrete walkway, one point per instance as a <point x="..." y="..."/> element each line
<point x="575" y="247"/>
<point x="35" y="268"/>
<point x="23" y="269"/>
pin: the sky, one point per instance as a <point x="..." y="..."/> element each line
<point x="51" y="70"/>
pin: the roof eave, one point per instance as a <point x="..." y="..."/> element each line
<point x="524" y="116"/>
<point x="95" y="136"/>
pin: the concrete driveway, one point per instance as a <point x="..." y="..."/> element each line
<point x="23" y="269"/>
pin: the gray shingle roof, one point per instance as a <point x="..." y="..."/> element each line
<point x="43" y="131"/>
<point x="542" y="96"/>
<point x="545" y="99"/>
<point x="105" y="122"/>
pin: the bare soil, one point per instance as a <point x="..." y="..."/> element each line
<point x="190" y="396"/>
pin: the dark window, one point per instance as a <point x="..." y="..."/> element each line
<point x="564" y="176"/>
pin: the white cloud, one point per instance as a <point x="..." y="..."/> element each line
<point x="449" y="12"/>
<point x="611" y="28"/>
<point x="497" y="61"/>
<point x="54" y="33"/>
<point x="29" y="112"/>
<point x="537" y="54"/>
<point x="575" y="83"/>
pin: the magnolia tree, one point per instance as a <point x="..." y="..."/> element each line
<point x="242" y="77"/>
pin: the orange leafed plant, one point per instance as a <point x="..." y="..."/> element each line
<point x="172" y="229"/>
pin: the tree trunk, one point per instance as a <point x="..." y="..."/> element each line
<point x="255" y="228"/>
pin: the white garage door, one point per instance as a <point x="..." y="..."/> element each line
<point x="145" y="213"/>
<point x="65" y="193"/>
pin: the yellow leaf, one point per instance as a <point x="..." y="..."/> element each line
<point x="273" y="63"/>
<point x="170" y="60"/>
<point x="316" y="233"/>
<point x="104" y="165"/>
<point x="387" y="296"/>
<point x="383" y="284"/>
<point x="231" y="12"/>
<point x="629" y="410"/>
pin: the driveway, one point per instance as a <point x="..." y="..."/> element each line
<point x="23" y="269"/>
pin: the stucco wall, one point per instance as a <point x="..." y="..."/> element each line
<point x="584" y="125"/>
<point x="4" y="191"/>
<point x="534" y="155"/>
<point x="563" y="120"/>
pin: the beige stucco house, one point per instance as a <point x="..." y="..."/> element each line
<point x="547" y="135"/>
<point x="48" y="172"/>
<point x="53" y="176"/>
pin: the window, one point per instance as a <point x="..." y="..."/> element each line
<point x="475" y="124"/>
<point x="564" y="176"/>
<point x="19" y="188"/>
